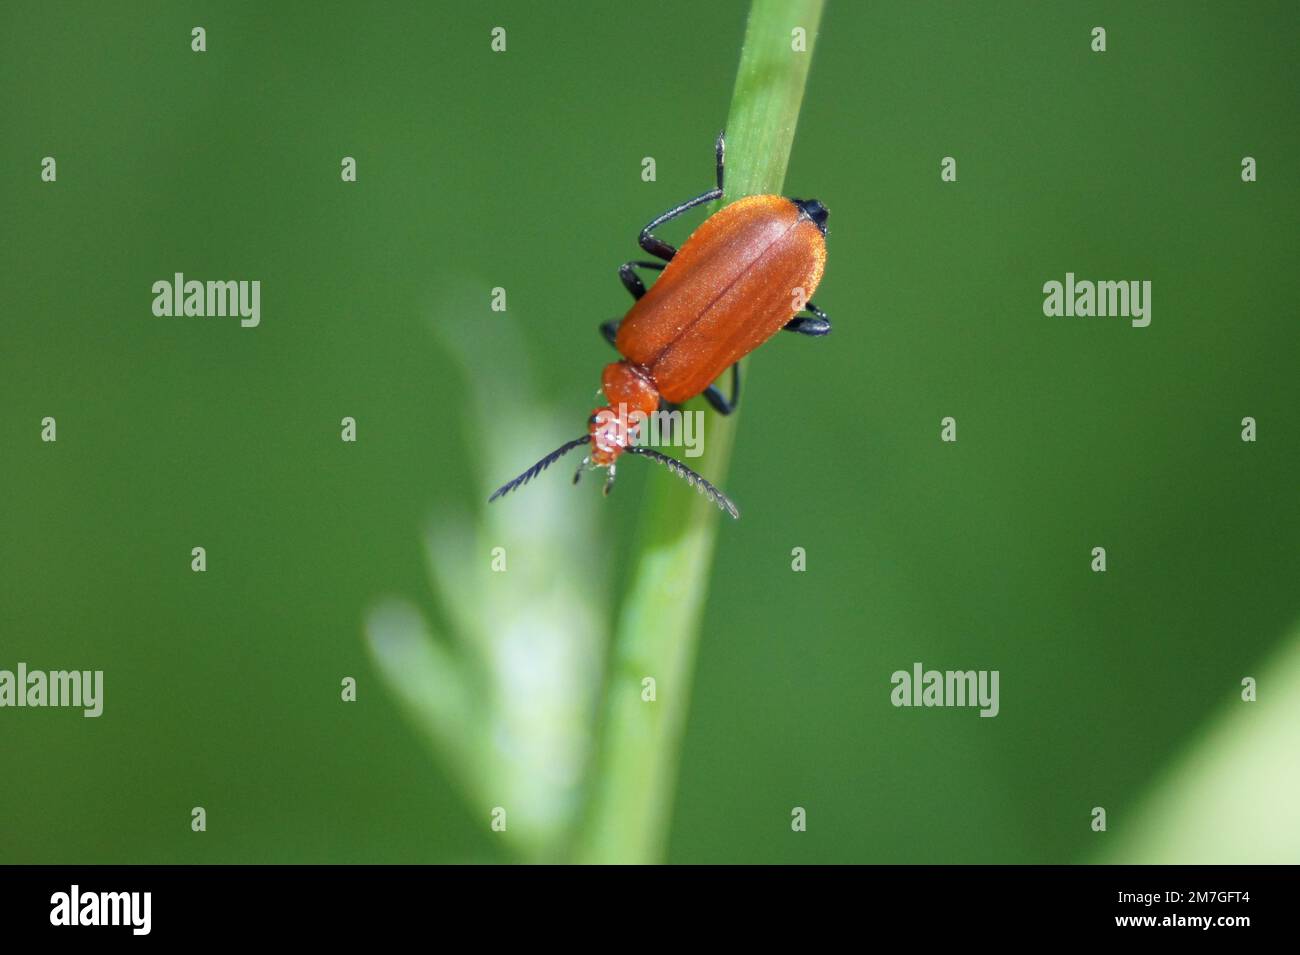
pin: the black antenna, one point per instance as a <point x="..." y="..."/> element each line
<point x="539" y="467"/>
<point x="693" y="479"/>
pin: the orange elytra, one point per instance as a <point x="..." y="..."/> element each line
<point x="745" y="274"/>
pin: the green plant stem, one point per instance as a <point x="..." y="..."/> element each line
<point x="658" y="628"/>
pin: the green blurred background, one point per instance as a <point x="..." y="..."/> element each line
<point x="522" y="170"/>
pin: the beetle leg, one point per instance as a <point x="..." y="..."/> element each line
<point x="713" y="394"/>
<point x="610" y="329"/>
<point x="658" y="247"/>
<point x="720" y="155"/>
<point x="668" y="407"/>
<point x="631" y="281"/>
<point x="583" y="465"/>
<point x="818" y="323"/>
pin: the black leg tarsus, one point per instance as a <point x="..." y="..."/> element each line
<point x="713" y="394"/>
<point x="720" y="150"/>
<point x="657" y="246"/>
<point x="631" y="281"/>
<point x="667" y="407"/>
<point x="817" y="324"/>
<point x="808" y="325"/>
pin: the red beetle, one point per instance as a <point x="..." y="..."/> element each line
<point x="746" y="273"/>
